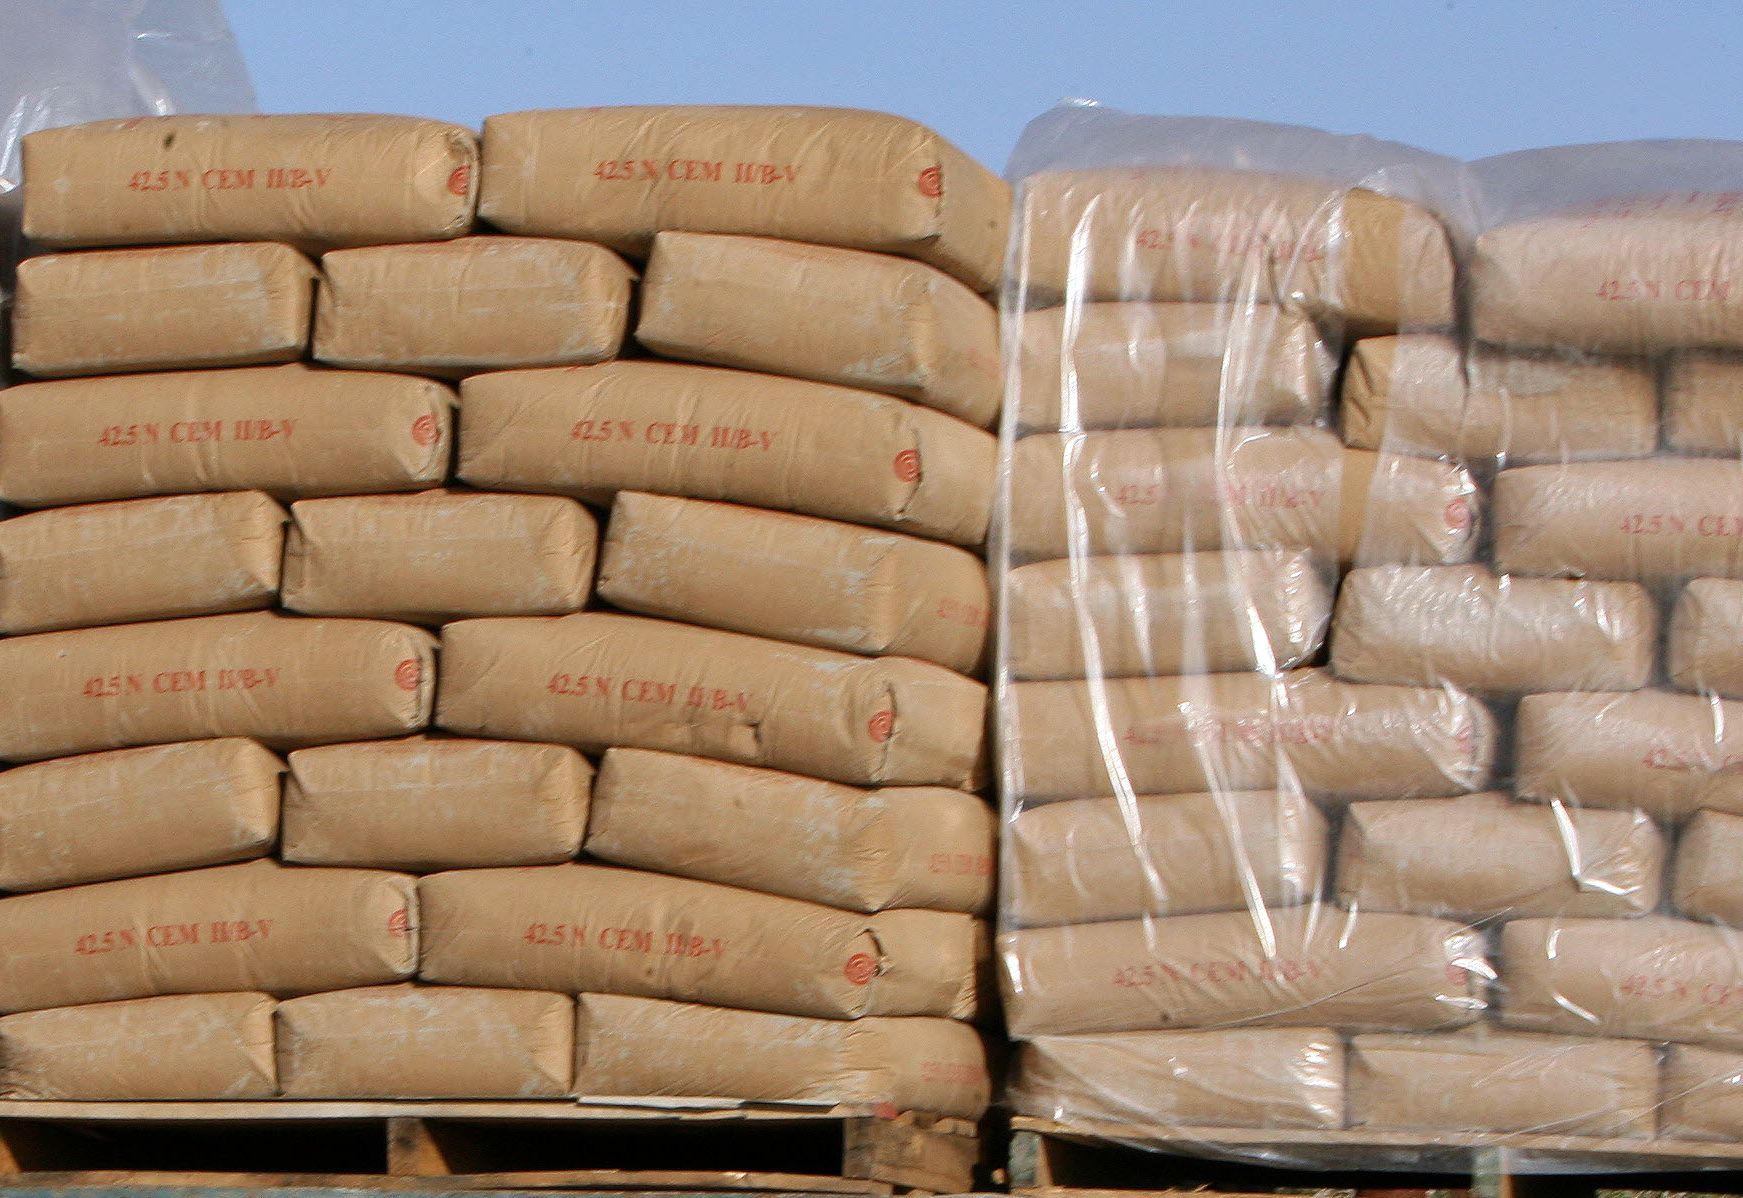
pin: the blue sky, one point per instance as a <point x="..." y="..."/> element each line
<point x="1464" y="77"/>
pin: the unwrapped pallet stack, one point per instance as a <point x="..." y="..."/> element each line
<point x="334" y="777"/>
<point x="1349" y="795"/>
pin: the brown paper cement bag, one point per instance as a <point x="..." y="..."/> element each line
<point x="426" y="1042"/>
<point x="137" y="811"/>
<point x="599" y="679"/>
<point x="817" y="312"/>
<point x="576" y="928"/>
<point x="1171" y="613"/>
<point x="175" y="308"/>
<point x="259" y="926"/>
<point x="1238" y="1077"/>
<point x="932" y="963"/>
<point x="1092" y="366"/>
<point x="1512" y="859"/>
<point x="650" y="1048"/>
<point x="1627" y="275"/>
<point x="1091" y="859"/>
<point x="184" y="1046"/>
<point x="1218" y="732"/>
<point x="283" y="680"/>
<point x="139" y="559"/>
<point x="923" y="846"/>
<point x="1295" y="967"/>
<point x="317" y="180"/>
<point x="1396" y="508"/>
<point x="1492" y="1081"/>
<point x="1653" y="520"/>
<point x="424" y="805"/>
<point x="1702" y="1095"/>
<point x="1701" y="409"/>
<point x="291" y="431"/>
<point x="1416" y="394"/>
<point x="833" y="176"/>
<point x="439" y="556"/>
<point x="1351" y="256"/>
<point x="1703" y="651"/>
<point x="695" y="431"/>
<point x="451" y="308"/>
<point x="1463" y="625"/>
<point x="1705" y="883"/>
<point x="795" y="578"/>
<point x="1666" y="754"/>
<point x="1653" y="978"/>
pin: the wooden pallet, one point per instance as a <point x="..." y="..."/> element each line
<point x="1091" y="1159"/>
<point x="443" y="1147"/>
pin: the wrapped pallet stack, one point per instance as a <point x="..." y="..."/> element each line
<point x="1348" y="797"/>
<point x="336" y="773"/>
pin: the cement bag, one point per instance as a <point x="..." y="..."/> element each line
<point x="1701" y="413"/>
<point x="410" y="1041"/>
<point x="818" y="312"/>
<point x="259" y="926"/>
<point x="1702" y="1096"/>
<point x="920" y="846"/>
<point x="177" y="1047"/>
<point x="1704" y="881"/>
<point x="1702" y="651"/>
<point x="651" y="1048"/>
<point x="834" y="176"/>
<point x="1238" y="1077"/>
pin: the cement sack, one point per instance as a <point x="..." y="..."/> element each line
<point x="139" y="559"/>
<point x="1630" y="274"/>
<point x="424" y="805"/>
<point x="439" y="556"/>
<point x="778" y="833"/>
<point x="137" y="811"/>
<point x="795" y="578"/>
<point x="1701" y="409"/>
<point x="1703" y="651"/>
<point x="291" y="431"/>
<point x="1654" y="978"/>
<point x="832" y="315"/>
<point x="1668" y="755"/>
<point x="575" y="928"/>
<point x="180" y="1047"/>
<point x="1651" y="521"/>
<point x="933" y="962"/>
<point x="745" y="438"/>
<point x="1141" y="614"/>
<point x="1463" y="625"/>
<point x="1095" y="366"/>
<point x="1705" y="882"/>
<point x="316" y="180"/>
<point x="1702" y="1095"/>
<point x="111" y="311"/>
<point x="1416" y="394"/>
<point x="1513" y="859"/>
<point x="1295" y="967"/>
<point x="1503" y="1082"/>
<point x="1396" y="508"/>
<point x="409" y="1041"/>
<point x="1238" y="1077"/>
<point x="258" y="926"/>
<point x="1092" y="859"/>
<point x="649" y="1048"/>
<point x="833" y="176"/>
<point x="453" y="308"/>
<point x="1219" y="732"/>
<point x="598" y="679"/>
<point x="1348" y="256"/>
<point x="283" y="680"/>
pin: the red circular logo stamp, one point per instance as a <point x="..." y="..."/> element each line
<point x="460" y="182"/>
<point x="931" y="182"/>
<point x="408" y="674"/>
<point x="399" y="923"/>
<point x="907" y="465"/>
<point x="1458" y="514"/>
<point x="860" y="969"/>
<point x="881" y="725"/>
<point x="424" y="430"/>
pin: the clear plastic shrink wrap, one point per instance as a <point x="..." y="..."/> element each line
<point x="1367" y="671"/>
